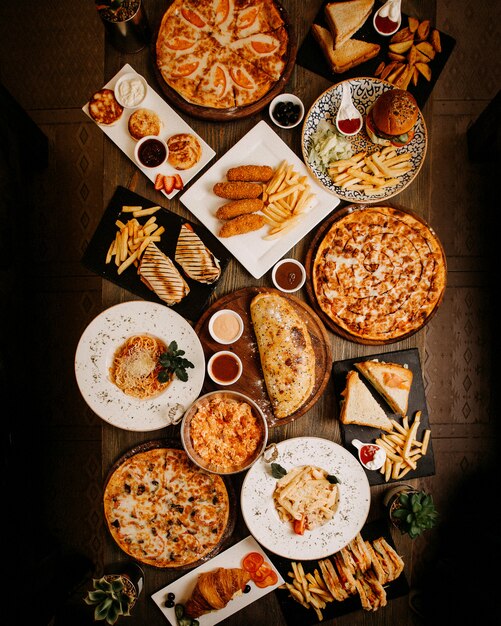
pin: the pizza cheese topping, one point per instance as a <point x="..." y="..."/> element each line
<point x="164" y="511"/>
<point x="222" y="55"/>
<point x="379" y="273"/>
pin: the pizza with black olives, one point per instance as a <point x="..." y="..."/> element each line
<point x="163" y="510"/>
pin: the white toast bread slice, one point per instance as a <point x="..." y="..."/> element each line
<point x="345" y="18"/>
<point x="359" y="406"/>
<point x="352" y="53"/>
<point x="391" y="380"/>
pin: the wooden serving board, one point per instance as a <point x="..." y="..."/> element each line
<point x="251" y="383"/>
<point x="226" y="115"/>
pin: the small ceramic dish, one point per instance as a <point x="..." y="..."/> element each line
<point x="286" y="110"/>
<point x="288" y="275"/>
<point x="371" y="455"/>
<point x="151" y="152"/>
<point x="130" y="90"/>
<point x="225" y="367"/>
<point x="213" y="447"/>
<point x="226" y="326"/>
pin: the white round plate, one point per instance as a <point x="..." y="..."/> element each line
<point x="261" y="516"/>
<point x="364" y="92"/>
<point x="94" y="355"/>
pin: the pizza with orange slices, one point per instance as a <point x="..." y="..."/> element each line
<point x="222" y="53"/>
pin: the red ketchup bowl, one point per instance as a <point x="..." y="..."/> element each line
<point x="224" y="367"/>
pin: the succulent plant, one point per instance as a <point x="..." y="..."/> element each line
<point x="414" y="512"/>
<point x="112" y="598"/>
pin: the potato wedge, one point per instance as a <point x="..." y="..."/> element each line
<point x="379" y="68"/>
<point x="427" y="49"/>
<point x="404" y="34"/>
<point x="413" y="24"/>
<point x="399" y="68"/>
<point x="423" y="30"/>
<point x="400" y="58"/>
<point x="405" y="77"/>
<point x="401" y="46"/>
<point x="435" y="40"/>
<point x="424" y="69"/>
<point x="387" y="70"/>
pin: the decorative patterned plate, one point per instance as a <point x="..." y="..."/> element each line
<point x="94" y="354"/>
<point x="364" y="92"/>
<point x="262" y="519"/>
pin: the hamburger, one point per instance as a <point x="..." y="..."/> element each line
<point x="391" y="119"/>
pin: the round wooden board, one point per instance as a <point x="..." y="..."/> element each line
<point x="226" y="115"/>
<point x="310" y="259"/>
<point x="252" y="382"/>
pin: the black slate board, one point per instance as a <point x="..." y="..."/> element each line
<point x="417" y="402"/>
<point x="95" y="255"/>
<point x="311" y="57"/>
<point x="297" y="615"/>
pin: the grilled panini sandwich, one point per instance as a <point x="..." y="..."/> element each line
<point x="195" y="258"/>
<point x="160" y="275"/>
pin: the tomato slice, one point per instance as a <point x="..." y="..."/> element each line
<point x="263" y="571"/>
<point x="271" y="579"/>
<point x="300" y="525"/>
<point x="252" y="561"/>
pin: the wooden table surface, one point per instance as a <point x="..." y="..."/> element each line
<point x="319" y="421"/>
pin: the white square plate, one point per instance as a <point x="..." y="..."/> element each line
<point x="172" y="124"/>
<point x="182" y="587"/>
<point x="260" y="146"/>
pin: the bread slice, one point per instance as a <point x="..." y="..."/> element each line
<point x="345" y="18"/>
<point x="350" y="54"/>
<point x="360" y="407"/>
<point x="392" y="380"/>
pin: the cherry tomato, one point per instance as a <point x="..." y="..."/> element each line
<point x="252" y="561"/>
<point x="300" y="525"/>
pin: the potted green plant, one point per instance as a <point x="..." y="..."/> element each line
<point x="114" y="594"/>
<point x="125" y="22"/>
<point x="411" y="510"/>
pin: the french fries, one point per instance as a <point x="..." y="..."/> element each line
<point x="410" y="51"/>
<point x="132" y="237"/>
<point x="403" y="449"/>
<point x="287" y="196"/>
<point x="309" y="589"/>
<point x="372" y="174"/>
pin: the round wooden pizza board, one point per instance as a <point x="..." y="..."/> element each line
<point x="251" y="383"/>
<point x="226" y="115"/>
<point x="309" y="266"/>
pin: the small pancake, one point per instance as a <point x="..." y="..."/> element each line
<point x="184" y="151"/>
<point x="144" y="122"/>
<point x="104" y="108"/>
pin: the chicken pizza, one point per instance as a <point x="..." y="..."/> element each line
<point x="163" y="510"/>
<point x="378" y="274"/>
<point x="222" y="53"/>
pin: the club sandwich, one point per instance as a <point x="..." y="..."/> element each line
<point x="351" y="53"/>
<point x="345" y="18"/>
<point x="391" y="380"/>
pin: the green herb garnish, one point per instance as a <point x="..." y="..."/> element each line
<point x="277" y="471"/>
<point x="172" y="362"/>
<point x="332" y="479"/>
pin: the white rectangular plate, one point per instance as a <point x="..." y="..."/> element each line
<point x="260" y="146"/>
<point x="232" y="557"/>
<point x="172" y="124"/>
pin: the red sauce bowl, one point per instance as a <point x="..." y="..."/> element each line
<point x="225" y="367"/>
